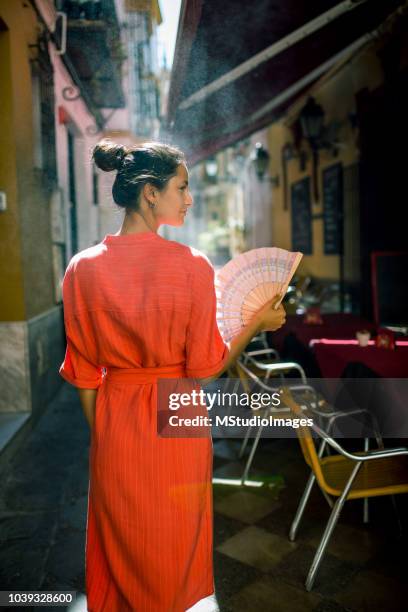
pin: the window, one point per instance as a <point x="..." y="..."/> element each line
<point x="43" y="111"/>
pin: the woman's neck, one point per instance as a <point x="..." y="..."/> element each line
<point x="138" y="222"/>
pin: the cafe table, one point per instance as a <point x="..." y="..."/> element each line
<point x="366" y="376"/>
<point x="334" y="355"/>
<point x="334" y="325"/>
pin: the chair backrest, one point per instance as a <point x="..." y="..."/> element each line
<point x="243" y="377"/>
<point x="305" y="438"/>
<point x="260" y="341"/>
<point x="302" y="284"/>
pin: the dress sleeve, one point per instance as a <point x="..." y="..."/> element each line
<point x="76" y="368"/>
<point x="206" y="351"/>
<point x="78" y="371"/>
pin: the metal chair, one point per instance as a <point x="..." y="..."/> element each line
<point x="265" y="355"/>
<point x="236" y="374"/>
<point x="326" y="414"/>
<point x="344" y="476"/>
<point x="245" y="374"/>
<point x="296" y="292"/>
<point x="259" y="348"/>
<point x="252" y="357"/>
<point x="259" y="341"/>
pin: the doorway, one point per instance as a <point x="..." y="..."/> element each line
<point x="72" y="193"/>
<point x="383" y="123"/>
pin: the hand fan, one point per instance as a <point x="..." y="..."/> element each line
<point x="247" y="282"/>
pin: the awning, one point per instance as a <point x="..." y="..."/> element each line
<point x="238" y="66"/>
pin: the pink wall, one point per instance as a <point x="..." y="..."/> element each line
<point x="74" y="116"/>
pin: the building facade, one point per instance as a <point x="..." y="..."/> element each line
<point x="61" y="74"/>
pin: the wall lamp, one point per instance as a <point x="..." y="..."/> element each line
<point x="260" y="159"/>
<point x="312" y="121"/>
<point x="320" y="136"/>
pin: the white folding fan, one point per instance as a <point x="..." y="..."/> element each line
<point x="247" y="282"/>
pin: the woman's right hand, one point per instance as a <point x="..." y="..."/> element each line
<point x="269" y="317"/>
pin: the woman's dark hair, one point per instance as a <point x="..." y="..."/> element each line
<point x="151" y="162"/>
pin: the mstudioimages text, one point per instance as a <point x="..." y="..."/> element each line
<point x="262" y="421"/>
<point x="255" y="401"/>
<point x="238" y="421"/>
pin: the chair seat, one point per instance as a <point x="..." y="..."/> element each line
<point x="386" y="476"/>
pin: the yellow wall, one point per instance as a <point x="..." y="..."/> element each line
<point x="337" y="97"/>
<point x="10" y="248"/>
<point x="25" y="261"/>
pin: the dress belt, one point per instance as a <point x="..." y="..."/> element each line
<point x="140" y="376"/>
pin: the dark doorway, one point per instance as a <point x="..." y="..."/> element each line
<point x="72" y="192"/>
<point x="383" y="123"/>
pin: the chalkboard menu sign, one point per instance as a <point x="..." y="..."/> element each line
<point x="301" y="217"/>
<point x="333" y="209"/>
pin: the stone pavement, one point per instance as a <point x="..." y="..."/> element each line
<point x="258" y="568"/>
<point x="43" y="502"/>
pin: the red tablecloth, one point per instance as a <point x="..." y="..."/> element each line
<point x="336" y="325"/>
<point x="334" y="355"/>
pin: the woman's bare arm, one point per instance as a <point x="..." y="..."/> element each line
<point x="88" y="402"/>
<point x="266" y="318"/>
<point x="237" y="345"/>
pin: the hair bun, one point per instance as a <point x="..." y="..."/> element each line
<point x="109" y="156"/>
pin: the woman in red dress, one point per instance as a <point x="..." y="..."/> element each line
<point x="138" y="308"/>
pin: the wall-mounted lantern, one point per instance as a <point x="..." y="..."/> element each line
<point x="312" y="121"/>
<point x="260" y="159"/>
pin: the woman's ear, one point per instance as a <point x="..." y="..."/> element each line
<point x="149" y="192"/>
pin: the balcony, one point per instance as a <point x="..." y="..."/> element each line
<point x="95" y="50"/>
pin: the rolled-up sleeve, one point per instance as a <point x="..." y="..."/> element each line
<point x="206" y="351"/>
<point x="78" y="367"/>
<point x="78" y="371"/>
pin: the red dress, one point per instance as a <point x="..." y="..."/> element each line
<point x="138" y="307"/>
